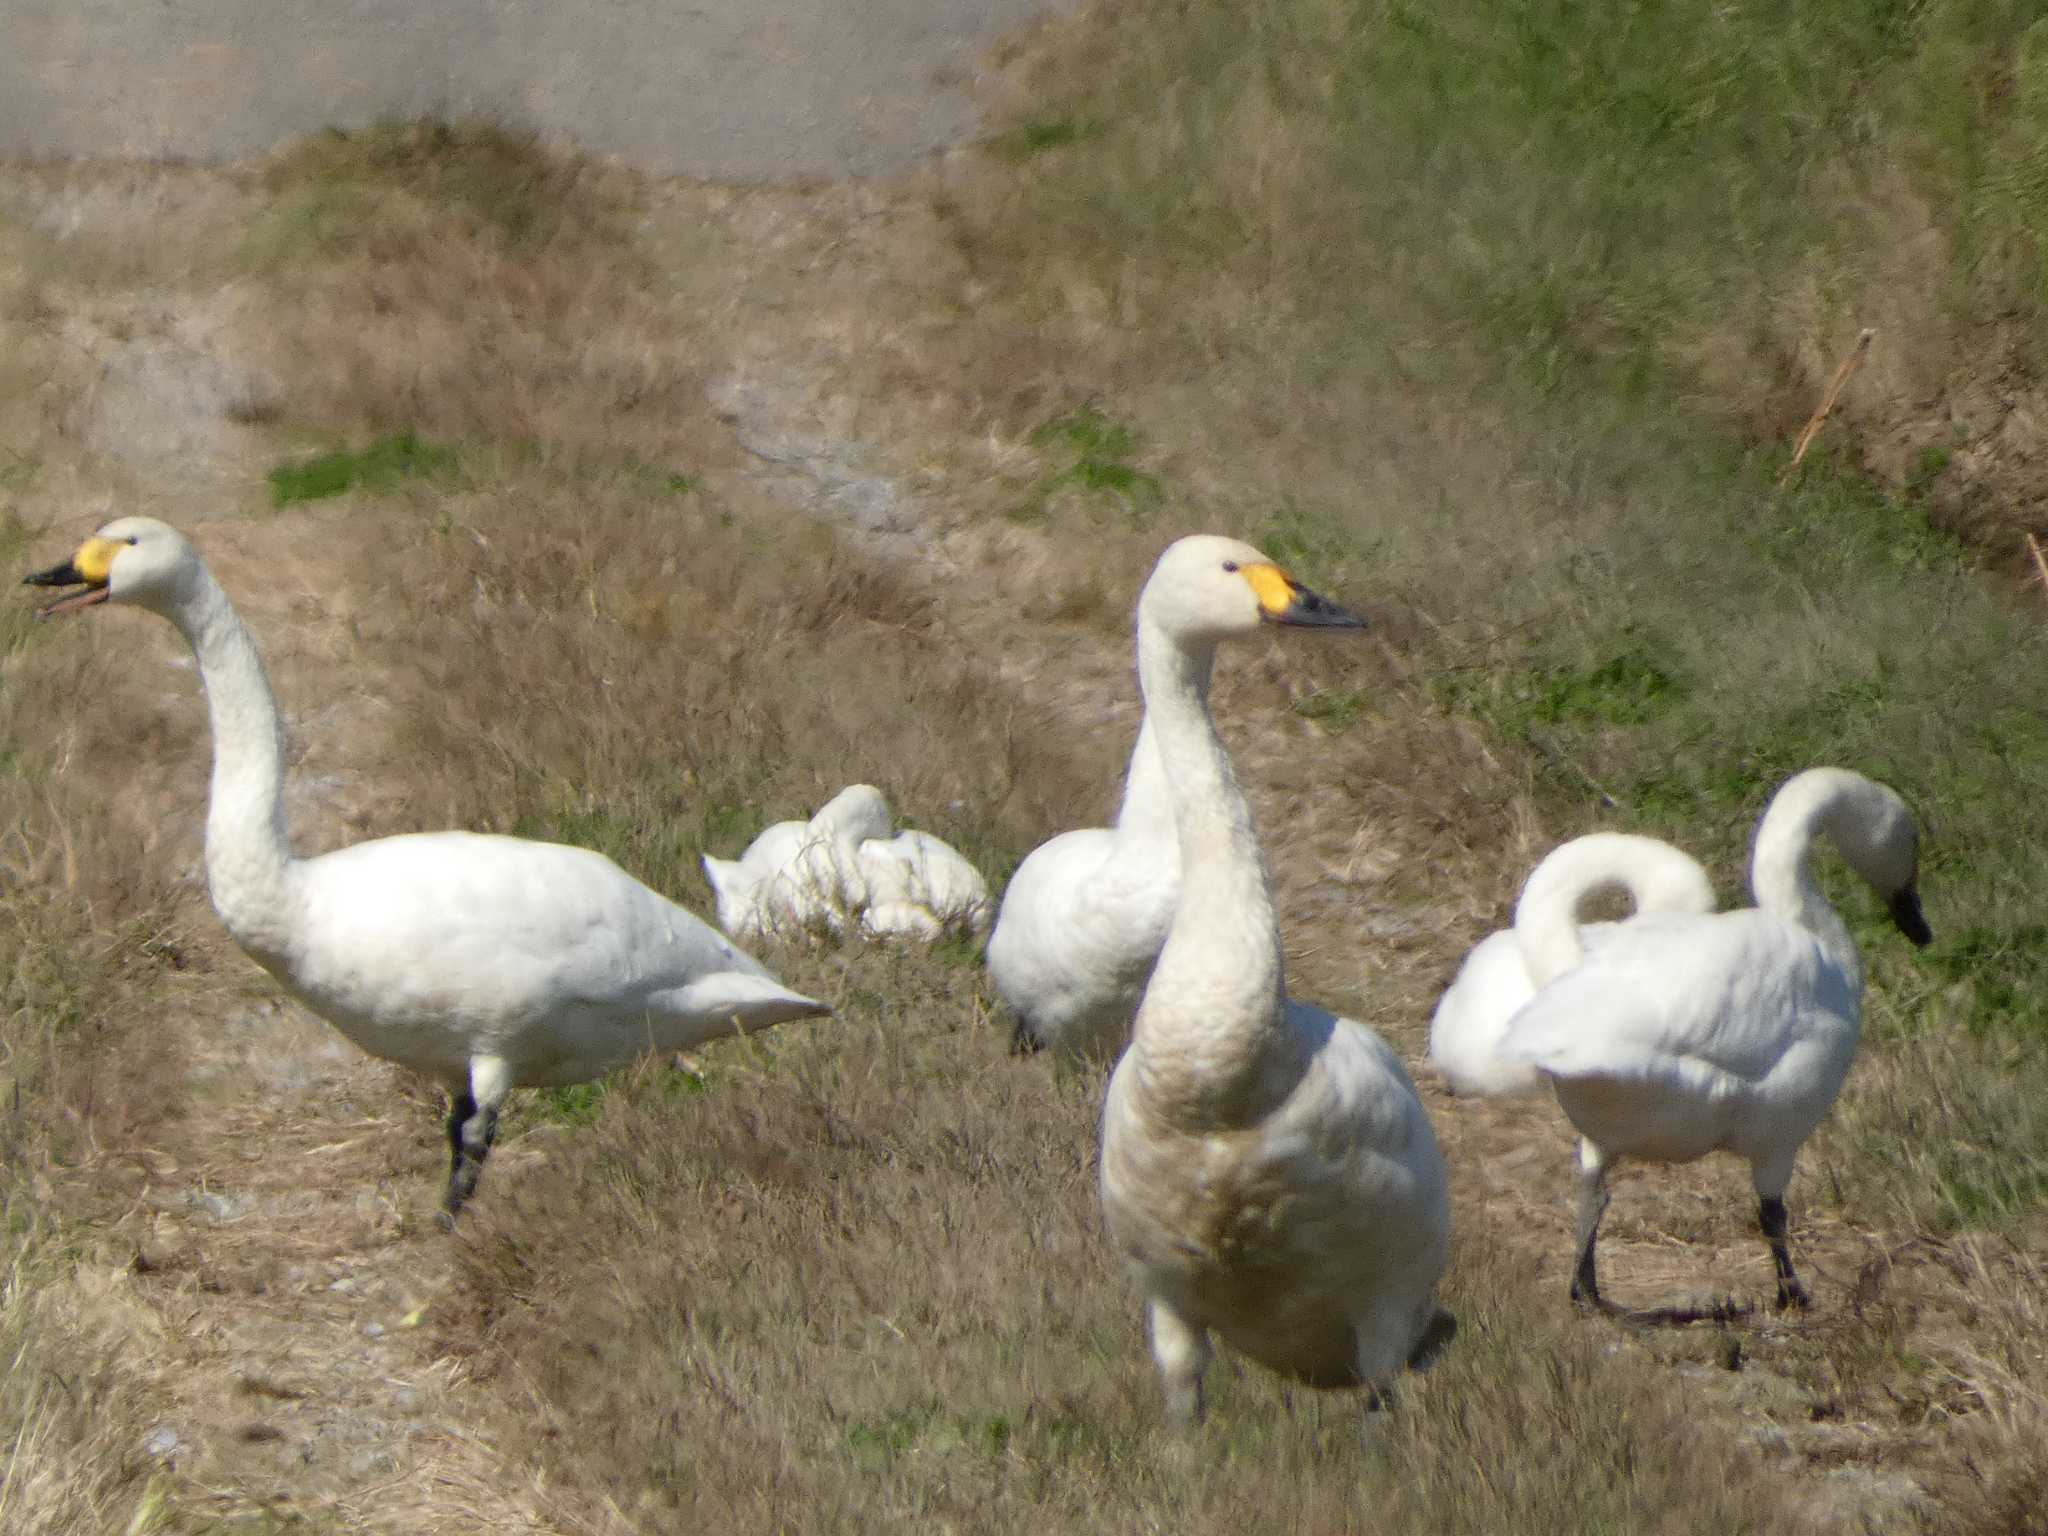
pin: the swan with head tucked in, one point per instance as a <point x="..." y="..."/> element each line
<point x="1684" y="1034"/>
<point x="848" y="865"/>
<point x="1506" y="968"/>
<point x="1084" y="916"/>
<point x="488" y="962"/>
<point x="1268" y="1173"/>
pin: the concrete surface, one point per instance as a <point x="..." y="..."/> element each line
<point x="731" y="89"/>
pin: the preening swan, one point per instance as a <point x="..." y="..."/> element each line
<point x="845" y="866"/>
<point x="489" y="962"/>
<point x="1684" y="1035"/>
<point x="1505" y="969"/>
<point x="1084" y="916"/>
<point x="1268" y="1172"/>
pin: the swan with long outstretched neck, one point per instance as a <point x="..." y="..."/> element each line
<point x="848" y="865"/>
<point x="1506" y="968"/>
<point x="1684" y="1035"/>
<point x="1084" y="916"/>
<point x="488" y="962"/>
<point x="1268" y="1173"/>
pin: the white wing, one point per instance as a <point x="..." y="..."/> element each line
<point x="1680" y="1034"/>
<point x="1471" y="1020"/>
<point x="451" y="944"/>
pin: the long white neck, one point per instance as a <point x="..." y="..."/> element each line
<point x="248" y="857"/>
<point x="1145" y="821"/>
<point x="1210" y="1048"/>
<point x="1781" y="873"/>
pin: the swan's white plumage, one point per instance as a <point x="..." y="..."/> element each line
<point x="1682" y="1035"/>
<point x="1268" y="1172"/>
<point x="847" y="865"/>
<point x="437" y="947"/>
<point x="1084" y="916"/>
<point x="919" y="885"/>
<point x="486" y="961"/>
<point x="1503" y="971"/>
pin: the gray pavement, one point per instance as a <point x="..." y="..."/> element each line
<point x="731" y="89"/>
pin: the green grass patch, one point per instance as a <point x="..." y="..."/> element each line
<point x="1035" y="137"/>
<point x="1333" y="708"/>
<point x="1097" y="450"/>
<point x="1627" y="688"/>
<point x="378" y="468"/>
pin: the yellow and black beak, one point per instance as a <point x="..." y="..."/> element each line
<point x="1283" y="600"/>
<point x="88" y="568"/>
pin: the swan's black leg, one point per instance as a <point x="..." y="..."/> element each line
<point x="460" y="1107"/>
<point x="1592" y="1206"/>
<point x="1770" y="1212"/>
<point x="470" y="1133"/>
<point x="1441" y="1330"/>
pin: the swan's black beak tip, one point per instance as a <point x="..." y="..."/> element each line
<point x="1904" y="906"/>
<point x="1311" y="610"/>
<point x="64" y="575"/>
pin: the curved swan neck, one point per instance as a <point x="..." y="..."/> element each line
<point x="1209" y="1046"/>
<point x="1547" y="928"/>
<point x="248" y="856"/>
<point x="1655" y="877"/>
<point x="1780" y="870"/>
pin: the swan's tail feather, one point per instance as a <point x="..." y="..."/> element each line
<point x="733" y="1003"/>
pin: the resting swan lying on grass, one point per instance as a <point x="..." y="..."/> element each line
<point x="1505" y="969"/>
<point x="848" y="865"/>
<point x="1682" y="1035"/>
<point x="488" y="962"/>
<point x="1268" y="1172"/>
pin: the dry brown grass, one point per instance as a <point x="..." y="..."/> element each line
<point x="850" y="1277"/>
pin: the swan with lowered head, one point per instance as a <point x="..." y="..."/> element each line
<point x="845" y="865"/>
<point x="1084" y="916"/>
<point x="1507" y="968"/>
<point x="1686" y="1034"/>
<point x="488" y="962"/>
<point x="1268" y="1173"/>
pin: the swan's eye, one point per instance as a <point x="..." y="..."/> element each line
<point x="1230" y="565"/>
<point x="133" y="538"/>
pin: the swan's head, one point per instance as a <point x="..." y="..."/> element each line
<point x="1207" y="588"/>
<point x="1874" y="829"/>
<point x="130" y="560"/>
<point x="857" y="813"/>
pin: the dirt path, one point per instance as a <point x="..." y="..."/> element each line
<point x="737" y="89"/>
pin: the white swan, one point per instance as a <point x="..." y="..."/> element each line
<point x="1684" y="1035"/>
<point x="1084" y="916"/>
<point x="1268" y="1172"/>
<point x="845" y="866"/>
<point x="1505" y="969"/>
<point x="488" y="962"/>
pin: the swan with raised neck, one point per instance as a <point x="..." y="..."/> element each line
<point x="488" y="962"/>
<point x="1683" y="1035"/>
<point x="1268" y="1173"/>
<point x="1550" y="934"/>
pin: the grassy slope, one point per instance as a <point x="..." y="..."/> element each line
<point x="1455" y="313"/>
